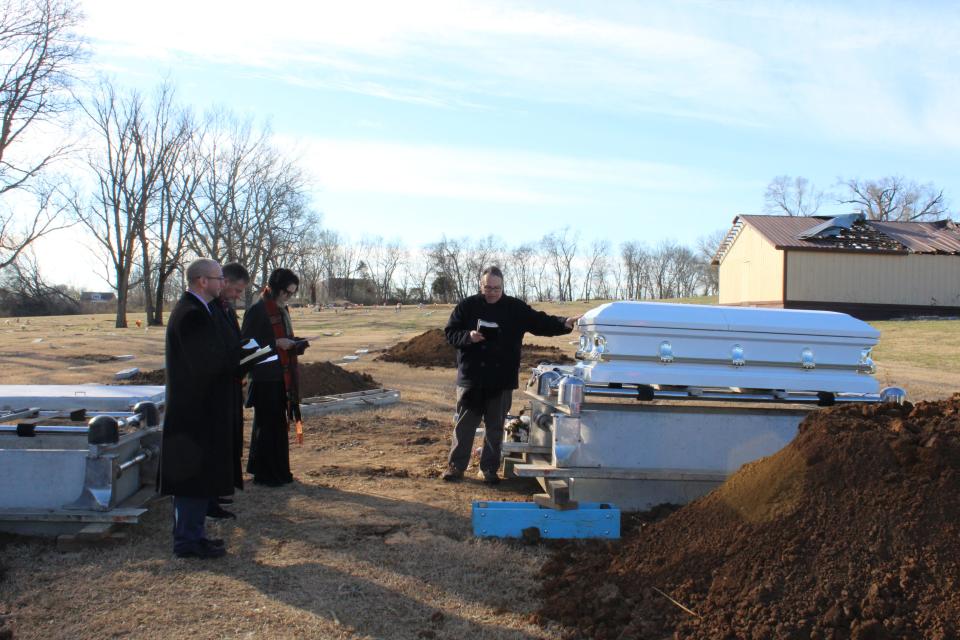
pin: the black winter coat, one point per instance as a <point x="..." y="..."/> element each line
<point x="257" y="325"/>
<point x="197" y="450"/>
<point x="233" y="342"/>
<point x="495" y="363"/>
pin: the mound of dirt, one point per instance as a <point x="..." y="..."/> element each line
<point x="326" y="378"/>
<point x="851" y="531"/>
<point x="316" y="379"/>
<point x="94" y="357"/>
<point x="154" y="376"/>
<point x="431" y="349"/>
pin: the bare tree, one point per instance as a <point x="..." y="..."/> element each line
<point x="24" y="291"/>
<point x="791" y="196"/>
<point x="685" y="272"/>
<point x="310" y="263"/>
<point x="384" y="259"/>
<point x="661" y="273"/>
<point x="117" y="212"/>
<point x="616" y="272"/>
<point x="521" y="267"/>
<point x="707" y="247"/>
<point x="252" y="205"/>
<point x="167" y="230"/>
<point x="418" y="271"/>
<point x="638" y="264"/>
<point x="894" y="198"/>
<point x="166" y="162"/>
<point x="449" y="258"/>
<point x="38" y="54"/>
<point x="542" y="279"/>
<point x="480" y="255"/>
<point x="596" y="265"/>
<point x="560" y="249"/>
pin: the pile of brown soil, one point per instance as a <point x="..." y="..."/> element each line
<point x="326" y="378"/>
<point x="94" y="357"/>
<point x="851" y="531"/>
<point x="431" y="349"/>
<point x="316" y="379"/>
<point x="154" y="376"/>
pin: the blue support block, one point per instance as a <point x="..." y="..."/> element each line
<point x="509" y="519"/>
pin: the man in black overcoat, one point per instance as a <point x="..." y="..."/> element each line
<point x="196" y="463"/>
<point x="236" y="279"/>
<point x="487" y="331"/>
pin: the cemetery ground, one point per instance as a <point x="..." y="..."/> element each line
<point x="367" y="543"/>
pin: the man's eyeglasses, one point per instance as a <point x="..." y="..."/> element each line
<point x="492" y="289"/>
<point x="290" y="293"/>
<point x="213" y="277"/>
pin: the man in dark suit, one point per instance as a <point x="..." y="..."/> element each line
<point x="236" y="279"/>
<point x="196" y="463"/>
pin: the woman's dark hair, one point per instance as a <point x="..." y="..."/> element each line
<point x="282" y="278"/>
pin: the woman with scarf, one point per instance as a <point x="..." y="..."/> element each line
<point x="274" y="390"/>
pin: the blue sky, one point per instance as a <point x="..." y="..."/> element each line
<point x="624" y="120"/>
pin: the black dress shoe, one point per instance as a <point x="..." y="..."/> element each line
<point x="224" y="500"/>
<point x="201" y="551"/>
<point x="213" y="542"/>
<point x="216" y="511"/>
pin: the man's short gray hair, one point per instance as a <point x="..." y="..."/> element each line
<point x="492" y="270"/>
<point x="200" y="268"/>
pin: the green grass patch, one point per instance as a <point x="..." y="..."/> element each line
<point x="933" y="344"/>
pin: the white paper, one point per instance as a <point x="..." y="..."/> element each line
<point x="256" y="354"/>
<point x="251" y="344"/>
<point x="270" y="359"/>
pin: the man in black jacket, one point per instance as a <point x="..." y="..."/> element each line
<point x="487" y="330"/>
<point x="196" y="459"/>
<point x="236" y="279"/>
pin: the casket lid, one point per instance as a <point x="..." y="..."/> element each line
<point x="736" y="319"/>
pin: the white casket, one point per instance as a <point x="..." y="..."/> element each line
<point x="649" y="343"/>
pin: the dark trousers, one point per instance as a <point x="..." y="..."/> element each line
<point x="473" y="405"/>
<point x="189" y="515"/>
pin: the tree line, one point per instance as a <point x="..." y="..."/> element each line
<point x="558" y="266"/>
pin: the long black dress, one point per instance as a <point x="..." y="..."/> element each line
<point x="269" y="460"/>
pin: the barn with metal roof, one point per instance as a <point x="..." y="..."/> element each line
<point x="869" y="269"/>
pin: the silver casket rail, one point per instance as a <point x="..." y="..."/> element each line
<point x="74" y="456"/>
<point x="697" y="392"/>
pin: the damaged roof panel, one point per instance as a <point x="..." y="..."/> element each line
<point x="848" y="233"/>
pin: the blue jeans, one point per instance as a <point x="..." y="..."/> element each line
<point x="189" y="515"/>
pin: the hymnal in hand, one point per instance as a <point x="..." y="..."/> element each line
<point x="256" y="355"/>
<point x="489" y="330"/>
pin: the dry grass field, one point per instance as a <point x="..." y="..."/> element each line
<point x="368" y="543"/>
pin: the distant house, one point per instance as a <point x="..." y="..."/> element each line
<point x="869" y="269"/>
<point x="356" y="290"/>
<point x="97" y="296"/>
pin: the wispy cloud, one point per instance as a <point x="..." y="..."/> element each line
<point x="837" y="70"/>
<point x="486" y="175"/>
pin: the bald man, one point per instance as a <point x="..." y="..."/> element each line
<point x="196" y="463"/>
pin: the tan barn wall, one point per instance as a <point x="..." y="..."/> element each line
<point x="916" y="280"/>
<point x="751" y="271"/>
